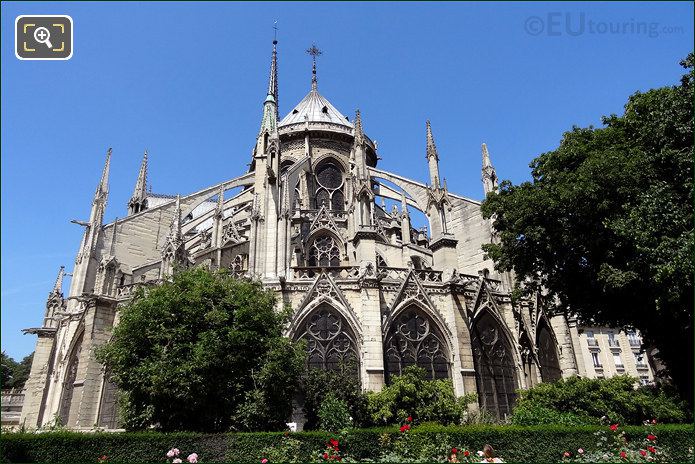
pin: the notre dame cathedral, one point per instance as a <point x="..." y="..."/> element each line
<point x="309" y="220"/>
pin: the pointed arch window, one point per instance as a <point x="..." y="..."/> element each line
<point x="547" y="355"/>
<point x="495" y="370"/>
<point x="324" y="251"/>
<point x="413" y="340"/>
<point x="331" y="344"/>
<point x="108" y="408"/>
<point x="329" y="185"/>
<point x="69" y="381"/>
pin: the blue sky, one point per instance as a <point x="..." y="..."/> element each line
<point x="187" y="82"/>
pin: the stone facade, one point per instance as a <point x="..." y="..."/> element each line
<point x="309" y="219"/>
<point x="605" y="352"/>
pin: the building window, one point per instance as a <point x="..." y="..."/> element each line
<point x="639" y="360"/>
<point x="612" y="342"/>
<point x="330" y="342"/>
<point x="590" y="338"/>
<point x="329" y="188"/>
<point x="618" y="362"/>
<point x="324" y="252"/>
<point x="414" y="341"/>
<point x="644" y="380"/>
<point x="69" y="382"/>
<point x="596" y="360"/>
<point x="634" y="339"/>
<point x="495" y="369"/>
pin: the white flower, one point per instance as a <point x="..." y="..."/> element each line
<point x="481" y="454"/>
<point x="580" y="451"/>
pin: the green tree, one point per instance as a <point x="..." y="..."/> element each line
<point x="343" y="383"/>
<point x="605" y="227"/>
<point x="7" y="369"/>
<point x="22" y="370"/>
<point x="204" y="352"/>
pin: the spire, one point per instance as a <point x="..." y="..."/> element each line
<point x="138" y="202"/>
<point x="404" y="204"/>
<point x="270" y="105"/>
<point x="431" y="147"/>
<point x="58" y="286"/>
<point x="219" y="209"/>
<point x="175" y="229"/>
<point x="432" y="157"/>
<point x="103" y="187"/>
<point x="273" y="79"/>
<point x="486" y="157"/>
<point x="314" y="52"/>
<point x="489" y="174"/>
<point x="359" y="133"/>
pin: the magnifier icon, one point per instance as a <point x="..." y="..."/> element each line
<point x="42" y="35"/>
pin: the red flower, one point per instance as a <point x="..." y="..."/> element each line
<point x="623" y="454"/>
<point x="651" y="437"/>
<point x="334" y="442"/>
<point x="566" y="454"/>
<point x="466" y="453"/>
<point x="651" y="449"/>
<point x="642" y="452"/>
<point x="325" y="455"/>
<point x="454" y="450"/>
<point x="409" y="419"/>
<point x="653" y="421"/>
<point x="614" y="427"/>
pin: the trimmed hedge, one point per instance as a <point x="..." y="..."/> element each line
<point x="513" y="443"/>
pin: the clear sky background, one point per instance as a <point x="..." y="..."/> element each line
<point x="187" y="82"/>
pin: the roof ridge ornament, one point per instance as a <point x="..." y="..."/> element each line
<point x="314" y="52"/>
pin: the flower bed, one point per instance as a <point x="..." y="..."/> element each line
<point x="418" y="443"/>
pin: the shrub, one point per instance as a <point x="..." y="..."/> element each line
<point x="334" y="414"/>
<point x="576" y="401"/>
<point x="343" y="383"/>
<point x="423" y="443"/>
<point x="411" y="395"/>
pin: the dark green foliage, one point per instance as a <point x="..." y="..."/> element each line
<point x="334" y="414"/>
<point x="607" y="224"/>
<point x="343" y="383"/>
<point x="513" y="443"/>
<point x="204" y="352"/>
<point x="15" y="374"/>
<point x="576" y="401"/>
<point x="424" y="400"/>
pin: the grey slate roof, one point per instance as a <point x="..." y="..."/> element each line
<point x="318" y="109"/>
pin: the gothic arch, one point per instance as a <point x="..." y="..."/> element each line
<point x="331" y="341"/>
<point x="69" y="377"/>
<point x="329" y="184"/>
<point x="548" y="359"/>
<point x="495" y="364"/>
<point x="324" y="248"/>
<point x="412" y="337"/>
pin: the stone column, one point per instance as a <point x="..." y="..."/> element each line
<point x="36" y="386"/>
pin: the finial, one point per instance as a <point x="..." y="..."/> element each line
<point x="431" y="147"/>
<point x="58" y="286"/>
<point x="275" y="33"/>
<point x="314" y="52"/>
<point x="486" y="157"/>
<point x="103" y="187"/>
<point x="359" y="133"/>
<point x="220" y="202"/>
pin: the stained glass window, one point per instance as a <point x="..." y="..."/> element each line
<point x="69" y="382"/>
<point x="414" y="341"/>
<point x="494" y="366"/>
<point x="547" y="355"/>
<point x="324" y="252"/>
<point x="329" y="191"/>
<point x="330" y="341"/>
